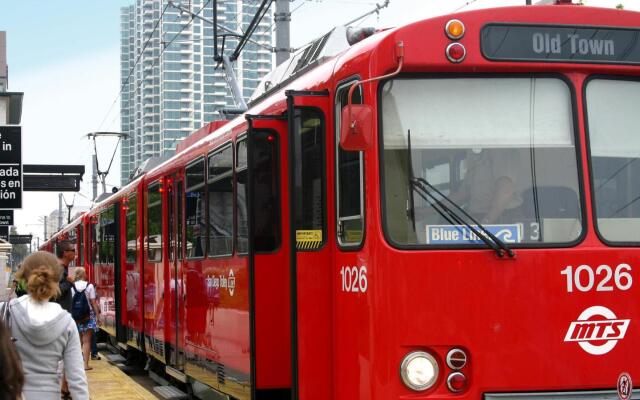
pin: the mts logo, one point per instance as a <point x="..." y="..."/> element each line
<point x="597" y="336"/>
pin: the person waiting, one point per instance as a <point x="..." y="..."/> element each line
<point x="45" y="334"/>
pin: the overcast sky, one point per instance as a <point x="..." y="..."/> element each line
<point x="64" y="56"/>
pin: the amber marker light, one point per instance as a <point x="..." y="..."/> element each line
<point x="454" y="29"/>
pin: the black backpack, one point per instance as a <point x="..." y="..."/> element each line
<point x="80" y="305"/>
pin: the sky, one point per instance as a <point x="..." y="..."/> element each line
<point x="64" y="56"/>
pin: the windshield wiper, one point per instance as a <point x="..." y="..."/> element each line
<point x="426" y="191"/>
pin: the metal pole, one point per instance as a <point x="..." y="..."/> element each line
<point x="45" y="227"/>
<point x="59" y="211"/>
<point x="282" y="19"/>
<point x="94" y="177"/>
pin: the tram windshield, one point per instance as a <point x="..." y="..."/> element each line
<point x="613" y="121"/>
<point x="503" y="149"/>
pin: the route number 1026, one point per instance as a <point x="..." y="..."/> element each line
<point x="354" y="279"/>
<point x="584" y="278"/>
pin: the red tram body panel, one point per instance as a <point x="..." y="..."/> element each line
<point x="482" y="243"/>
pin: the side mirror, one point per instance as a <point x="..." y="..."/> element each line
<point x="355" y="127"/>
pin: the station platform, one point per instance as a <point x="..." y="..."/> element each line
<point x="108" y="382"/>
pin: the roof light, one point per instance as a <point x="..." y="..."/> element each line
<point x="454" y="29"/>
<point x="419" y="370"/>
<point x="456" y="52"/>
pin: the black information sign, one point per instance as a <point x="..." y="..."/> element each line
<point x="6" y="217"/>
<point x="4" y="233"/>
<point x="20" y="239"/>
<point x="10" y="167"/>
<point x="574" y="44"/>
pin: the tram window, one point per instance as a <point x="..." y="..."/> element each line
<point x="153" y="242"/>
<point x="242" y="240"/>
<point x="72" y="238"/>
<point x="350" y="202"/>
<point x="107" y="236"/>
<point x="613" y="122"/>
<point x="508" y="158"/>
<point x="132" y="229"/>
<point x="81" y="245"/>
<point x="170" y="222"/>
<point x="309" y="184"/>
<point x="179" y="195"/>
<point x="95" y="239"/>
<point x="195" y="226"/>
<point x="266" y="229"/>
<point x="220" y="200"/>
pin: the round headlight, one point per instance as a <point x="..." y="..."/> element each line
<point x="419" y="370"/>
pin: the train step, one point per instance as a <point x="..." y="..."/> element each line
<point x="170" y="392"/>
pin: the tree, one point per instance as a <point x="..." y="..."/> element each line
<point x="620" y="6"/>
<point x="19" y="251"/>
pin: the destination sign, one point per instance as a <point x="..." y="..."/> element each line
<point x="461" y="234"/>
<point x="573" y="44"/>
<point x="10" y="167"/>
<point x="6" y="217"/>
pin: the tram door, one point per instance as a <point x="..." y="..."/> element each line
<point x="265" y="149"/>
<point x="311" y="260"/>
<point x="175" y="225"/>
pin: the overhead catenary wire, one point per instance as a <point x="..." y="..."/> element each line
<point x="144" y="46"/>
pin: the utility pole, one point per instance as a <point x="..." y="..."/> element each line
<point x="45" y="227"/>
<point x="282" y="19"/>
<point x="59" y="211"/>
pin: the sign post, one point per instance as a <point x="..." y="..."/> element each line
<point x="10" y="167"/>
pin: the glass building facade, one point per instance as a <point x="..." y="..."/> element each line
<point x="171" y="84"/>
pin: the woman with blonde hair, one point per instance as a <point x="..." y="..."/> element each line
<point x="45" y="334"/>
<point x="87" y="324"/>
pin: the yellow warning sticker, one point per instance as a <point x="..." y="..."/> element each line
<point x="308" y="240"/>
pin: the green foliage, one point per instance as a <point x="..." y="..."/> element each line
<point x="18" y="251"/>
<point x="620" y="6"/>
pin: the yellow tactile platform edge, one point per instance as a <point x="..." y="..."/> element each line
<point x="107" y="382"/>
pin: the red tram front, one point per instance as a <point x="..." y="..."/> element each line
<point x="447" y="209"/>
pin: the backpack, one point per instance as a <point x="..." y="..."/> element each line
<point x="5" y="317"/>
<point x="80" y="305"/>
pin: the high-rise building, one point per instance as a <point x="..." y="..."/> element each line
<point x="171" y="83"/>
<point x="4" y="70"/>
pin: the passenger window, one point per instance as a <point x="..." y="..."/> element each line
<point x="241" y="200"/>
<point x="195" y="227"/>
<point x="220" y="202"/>
<point x="266" y="228"/>
<point x="154" y="223"/>
<point x="350" y="199"/>
<point x="81" y="245"/>
<point x="179" y="194"/>
<point x="95" y="239"/>
<point x="309" y="184"/>
<point x="132" y="229"/>
<point x="107" y="236"/>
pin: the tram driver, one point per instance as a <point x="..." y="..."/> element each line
<point x="490" y="186"/>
